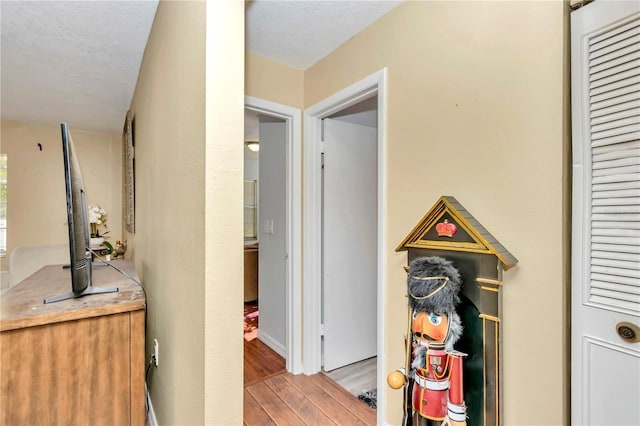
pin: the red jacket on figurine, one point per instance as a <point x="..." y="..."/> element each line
<point x="435" y="374"/>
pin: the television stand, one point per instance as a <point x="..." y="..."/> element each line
<point x="93" y="347"/>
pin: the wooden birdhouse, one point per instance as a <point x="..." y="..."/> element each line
<point x="449" y="231"/>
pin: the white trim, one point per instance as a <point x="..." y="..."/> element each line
<point x="272" y="343"/>
<point x="311" y="221"/>
<point x="293" y="117"/>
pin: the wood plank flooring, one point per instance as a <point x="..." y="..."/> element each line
<point x="356" y="378"/>
<point x="272" y="396"/>
<point x="285" y="399"/>
<point x="260" y="361"/>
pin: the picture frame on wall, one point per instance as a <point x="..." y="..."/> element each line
<point x="128" y="154"/>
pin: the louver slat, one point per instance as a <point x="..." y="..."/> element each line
<point x="631" y="106"/>
<point x="597" y="104"/>
<point x="623" y="297"/>
<point x="633" y="130"/>
<point x="632" y="169"/>
<point x="615" y="209"/>
<point x="620" y="304"/>
<point x="616" y="232"/>
<point x="615" y="240"/>
<point x="612" y="117"/>
<point x="621" y="288"/>
<point x="602" y="51"/>
<point x="614" y="88"/>
<point x="620" y="162"/>
<point x="618" y="224"/>
<point x="616" y="151"/>
<point x="615" y="186"/>
<point x="617" y="76"/>
<point x="622" y="177"/>
<point x="614" y="36"/>
<point x="616" y="124"/>
<point x="630" y="257"/>
<point x="617" y="248"/>
<point x="626" y="70"/>
<point x="609" y="218"/>
<point x="615" y="263"/>
<point x="628" y="59"/>
<point x="617" y="287"/>
<point x="618" y="272"/>
<point x="614" y="51"/>
<point x="630" y="281"/>
<point x="607" y="195"/>
<point x="618" y="201"/>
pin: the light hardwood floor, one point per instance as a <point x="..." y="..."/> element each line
<point x="260" y="362"/>
<point x="273" y="396"/>
<point x="356" y="378"/>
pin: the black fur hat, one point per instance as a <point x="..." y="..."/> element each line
<point x="433" y="284"/>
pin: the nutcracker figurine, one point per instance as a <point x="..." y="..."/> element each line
<point x="433" y="388"/>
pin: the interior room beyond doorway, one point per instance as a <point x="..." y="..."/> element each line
<point x="265" y="227"/>
<point x="349" y="187"/>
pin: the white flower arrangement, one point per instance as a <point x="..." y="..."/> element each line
<point x="97" y="216"/>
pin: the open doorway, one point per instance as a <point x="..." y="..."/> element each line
<point x="272" y="227"/>
<point x="265" y="234"/>
<point x="369" y="87"/>
<point x="349" y="251"/>
<point x="266" y="226"/>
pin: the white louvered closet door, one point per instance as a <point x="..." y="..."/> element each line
<point x="605" y="61"/>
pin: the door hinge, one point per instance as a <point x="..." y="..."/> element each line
<point x="579" y="4"/>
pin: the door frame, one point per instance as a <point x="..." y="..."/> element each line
<point x="375" y="84"/>
<point x="293" y="119"/>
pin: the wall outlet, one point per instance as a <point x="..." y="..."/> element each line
<point x="156" y="351"/>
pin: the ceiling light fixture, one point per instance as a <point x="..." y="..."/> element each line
<point x="254" y="146"/>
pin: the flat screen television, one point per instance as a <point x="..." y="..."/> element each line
<point x="78" y="225"/>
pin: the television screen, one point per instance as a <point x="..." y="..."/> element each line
<point x="78" y="226"/>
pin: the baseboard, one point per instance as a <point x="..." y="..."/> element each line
<point x="272" y="343"/>
<point x="151" y="415"/>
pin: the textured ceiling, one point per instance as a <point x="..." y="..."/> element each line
<point x="72" y="61"/>
<point x="78" y="61"/>
<point x="299" y="33"/>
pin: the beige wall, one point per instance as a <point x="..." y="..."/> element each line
<point x="188" y="243"/>
<point x="481" y="83"/>
<point x="224" y="226"/>
<point x="475" y="110"/>
<point x="37" y="212"/>
<point x="266" y="79"/>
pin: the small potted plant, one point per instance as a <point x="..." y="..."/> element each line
<point x="97" y="219"/>
<point x="107" y="251"/>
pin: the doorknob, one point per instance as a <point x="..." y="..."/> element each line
<point x="629" y="332"/>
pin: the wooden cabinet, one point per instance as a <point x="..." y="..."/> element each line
<point x="74" y="362"/>
<point x="251" y="273"/>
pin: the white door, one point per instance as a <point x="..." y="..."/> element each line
<point x="272" y="234"/>
<point x="350" y="227"/>
<point x="605" y="55"/>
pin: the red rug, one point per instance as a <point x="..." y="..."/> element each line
<point x="250" y="321"/>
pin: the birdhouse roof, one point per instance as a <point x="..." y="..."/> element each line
<point x="435" y="231"/>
